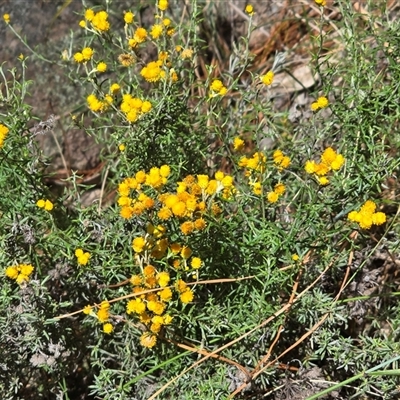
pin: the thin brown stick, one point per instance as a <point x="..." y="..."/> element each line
<point x="205" y="353"/>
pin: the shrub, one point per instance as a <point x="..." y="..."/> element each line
<point x="222" y="230"/>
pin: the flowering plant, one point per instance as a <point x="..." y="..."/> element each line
<point x="213" y="221"/>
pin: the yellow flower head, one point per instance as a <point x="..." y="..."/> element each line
<point x="378" y="218"/>
<point x="115" y="88"/>
<point x="140" y="35"/>
<point x="354" y="216"/>
<point x="78" y="57"/>
<point x="186" y="252"/>
<point x="249" y="9"/>
<point x="369" y="207"/>
<point x="163" y="279"/>
<point x="128" y="17"/>
<point x="202" y="181"/>
<point x="200" y="224"/>
<point x="156" y="31"/>
<point x="12" y="272"/>
<point x="48" y="205"/>
<point x="186" y="54"/>
<point x="196" y="262"/>
<point x="216" y="85"/>
<point x="101" y="67"/>
<point x="272" y="197"/>
<point x="41" y="203"/>
<point x="179" y="209"/>
<point x="100" y="21"/>
<point x="103" y="314"/>
<point x="310" y="167"/>
<point x="175" y="248"/>
<point x="328" y="156"/>
<point x="279" y="189"/>
<point x="126" y="59"/>
<point x="3" y="134"/>
<point x="165" y="294"/>
<point x="321" y="102"/>
<point x="163" y="5"/>
<point x="165" y="170"/>
<point x="238" y="144"/>
<point x="323" y="180"/>
<point x="365" y="221"/>
<point x="6" y="18"/>
<point x="268" y="78"/>
<point x="337" y="162"/>
<point x="187" y="296"/>
<point x="257" y="188"/>
<point x="87" y="53"/>
<point x="89" y="14"/>
<point x="148" y="340"/>
<point x="136" y="306"/>
<point x="108" y="328"/>
<point x="87" y="309"/>
<point x="321" y="3"/>
<point x="138" y="244"/>
<point x="167" y="319"/>
<point x="187" y="227"/>
<point x="217" y="88"/>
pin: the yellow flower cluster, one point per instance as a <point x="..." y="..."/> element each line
<point x="194" y="196"/>
<point x="98" y="20"/>
<point x="281" y="161"/>
<point x="84" y="55"/>
<point x="82" y="257"/>
<point x="321" y="3"/>
<point x="6" y="18"/>
<point x="278" y="191"/>
<point x="156" y="178"/>
<point x="151" y="307"/>
<point x="134" y="108"/>
<point x="3" y="134"/>
<point x="330" y="160"/>
<point x="20" y="273"/>
<point x="46" y="204"/>
<point x="217" y="88"/>
<point x="140" y="34"/>
<point x="102" y="315"/>
<point x="153" y="71"/>
<point x="257" y="165"/>
<point x="367" y="216"/>
<point x="321" y="102"/>
<point x="99" y="105"/>
<point x="186" y="54"/>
